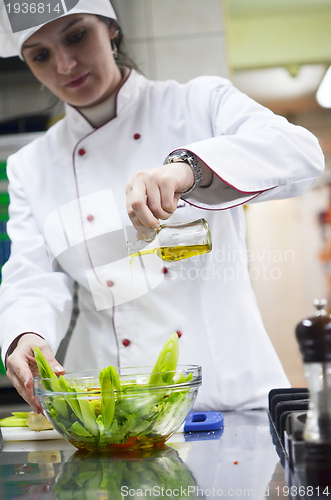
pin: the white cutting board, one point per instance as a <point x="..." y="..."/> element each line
<point x="26" y="434"/>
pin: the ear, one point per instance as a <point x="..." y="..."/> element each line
<point x="113" y="30"/>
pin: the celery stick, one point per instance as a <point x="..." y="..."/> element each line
<point x="180" y="379"/>
<point x="46" y="371"/>
<point x="13" y="421"/>
<point x="116" y="381"/>
<point x="20" y="414"/>
<point x="166" y="362"/>
<point x="107" y="396"/>
<point x="71" y="399"/>
<point x="60" y="405"/>
<point x="78" y="429"/>
<point x="88" y="417"/>
<point x="52" y="384"/>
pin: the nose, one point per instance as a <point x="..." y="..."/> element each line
<point x="65" y="62"/>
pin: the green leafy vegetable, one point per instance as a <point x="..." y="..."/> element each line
<point x="118" y="414"/>
<point x="52" y="383"/>
<point x="18" y="419"/>
<point x="166" y="362"/>
<point x="26" y="419"/>
<point x="107" y="384"/>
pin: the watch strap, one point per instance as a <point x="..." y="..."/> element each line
<point x="192" y="160"/>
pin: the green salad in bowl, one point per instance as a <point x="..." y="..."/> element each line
<point x="119" y="409"/>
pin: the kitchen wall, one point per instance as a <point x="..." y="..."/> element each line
<point x="284" y="241"/>
<point x="287" y="240"/>
<point x="175" y="39"/>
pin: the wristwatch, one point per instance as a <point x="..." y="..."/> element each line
<point x="192" y="161"/>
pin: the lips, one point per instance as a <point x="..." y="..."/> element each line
<point x="77" y="81"/>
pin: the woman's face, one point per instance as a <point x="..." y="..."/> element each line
<point x="73" y="57"/>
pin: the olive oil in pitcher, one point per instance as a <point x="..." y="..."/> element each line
<point x="175" y="241"/>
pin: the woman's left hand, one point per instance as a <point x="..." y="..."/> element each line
<point x="153" y="194"/>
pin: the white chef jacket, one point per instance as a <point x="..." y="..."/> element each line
<point x="68" y="222"/>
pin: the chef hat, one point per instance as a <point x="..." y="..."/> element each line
<point x="18" y="20"/>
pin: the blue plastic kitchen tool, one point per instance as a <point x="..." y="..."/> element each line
<point x="198" y="421"/>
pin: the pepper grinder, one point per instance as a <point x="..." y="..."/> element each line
<point x="314" y="337"/>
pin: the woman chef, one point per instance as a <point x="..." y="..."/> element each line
<point x="76" y="191"/>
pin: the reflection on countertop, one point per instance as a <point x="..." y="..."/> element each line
<point x="239" y="461"/>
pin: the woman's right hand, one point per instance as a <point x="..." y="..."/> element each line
<point x="22" y="367"/>
<point x="153" y="194"/>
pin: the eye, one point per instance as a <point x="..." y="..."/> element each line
<point x="77" y="37"/>
<point x="41" y="56"/>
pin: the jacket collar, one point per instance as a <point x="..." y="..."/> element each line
<point x="127" y="94"/>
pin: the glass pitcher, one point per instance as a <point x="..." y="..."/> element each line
<point x="175" y="241"/>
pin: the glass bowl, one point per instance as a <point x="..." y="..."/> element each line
<point x="127" y="415"/>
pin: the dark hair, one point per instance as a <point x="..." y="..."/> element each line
<point x="122" y="58"/>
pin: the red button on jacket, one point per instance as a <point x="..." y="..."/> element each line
<point x="110" y="283"/>
<point x="126" y="342"/>
<point x="90" y="218"/>
<point x="81" y="152"/>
